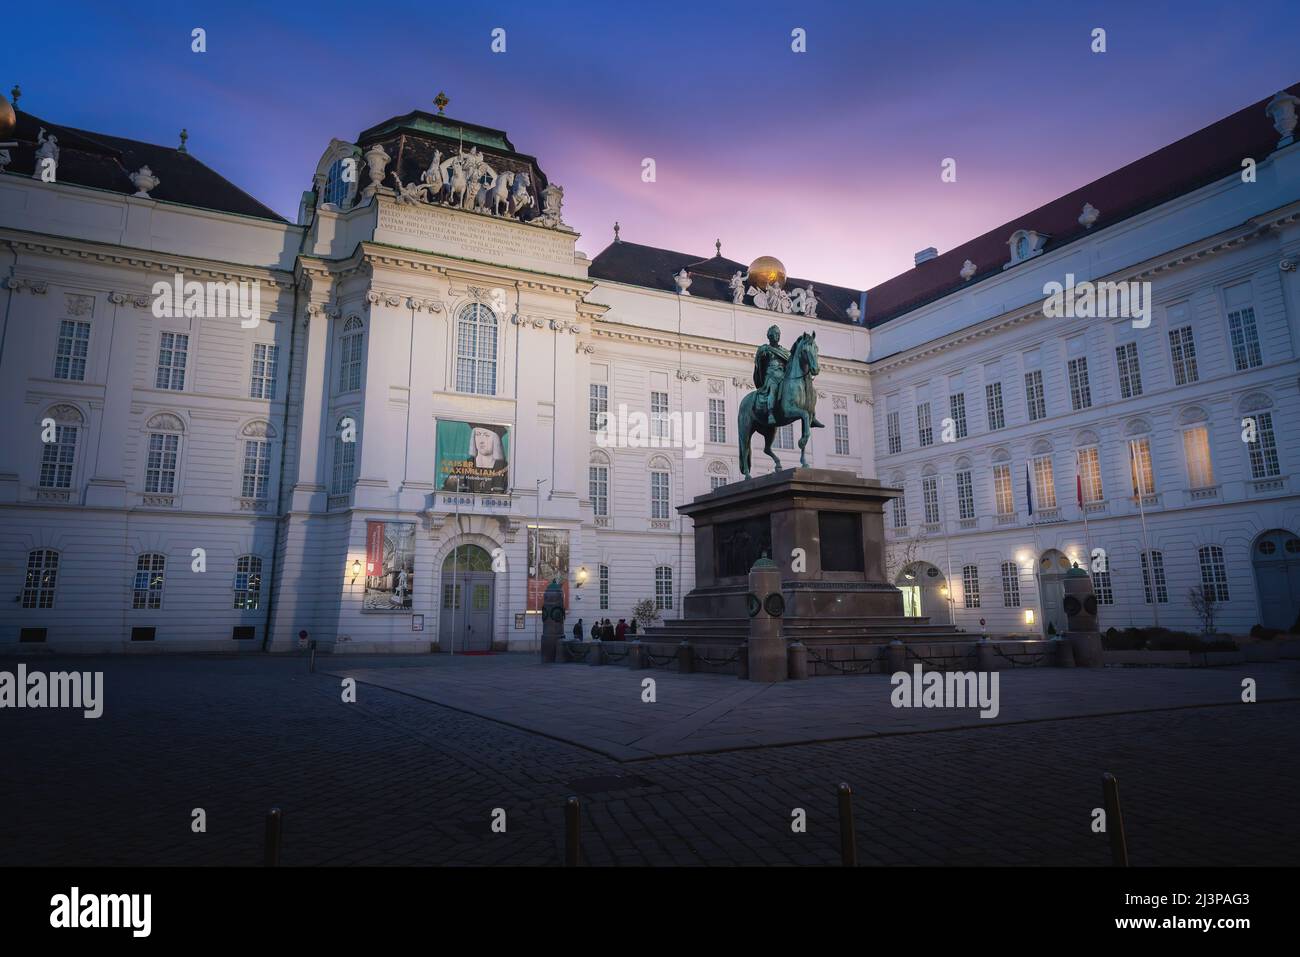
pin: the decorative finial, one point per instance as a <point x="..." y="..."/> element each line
<point x="616" y="239"/>
<point x="717" y="245"/>
<point x="185" y="134"/>
<point x="16" y="92"/>
<point x="441" y="101"/>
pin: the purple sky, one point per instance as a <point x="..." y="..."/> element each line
<point x="829" y="159"/>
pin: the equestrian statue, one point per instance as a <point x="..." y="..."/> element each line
<point x="784" y="393"/>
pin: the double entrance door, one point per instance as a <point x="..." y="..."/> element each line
<point x="466" y="611"/>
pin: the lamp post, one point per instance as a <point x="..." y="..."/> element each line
<point x="537" y="557"/>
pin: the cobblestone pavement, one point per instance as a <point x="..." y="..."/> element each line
<point x="392" y="779"/>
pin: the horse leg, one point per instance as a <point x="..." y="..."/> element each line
<point x="768" y="436"/>
<point x="744" y="453"/>
<point x="803" y="439"/>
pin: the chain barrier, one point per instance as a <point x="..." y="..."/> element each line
<point x="1034" y="659"/>
<point x="613" y="659"/>
<point x="663" y="661"/>
<point x="572" y="653"/>
<point x="718" y="662"/>
<point x="841" y="667"/>
<point x="940" y="664"/>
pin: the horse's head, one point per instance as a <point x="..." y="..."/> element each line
<point x="805" y="353"/>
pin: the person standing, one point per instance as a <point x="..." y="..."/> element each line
<point x="620" y="633"/>
<point x="577" y="630"/>
<point x="633" y="629"/>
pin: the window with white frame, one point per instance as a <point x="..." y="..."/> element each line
<point x="841" y="434"/>
<point x="57" y="457"/>
<point x="1044" y="482"/>
<point x="602" y="576"/>
<point x="659" y="422"/>
<point x="900" y="508"/>
<point x="1090" y="474"/>
<point x="993" y="403"/>
<point x="965" y="495"/>
<point x="894" y="433"/>
<point x="1101" y="587"/>
<point x="248" y="582"/>
<point x="598" y="407"/>
<point x="1263" y="451"/>
<point x="1214" y="572"/>
<point x="1241" y="328"/>
<point x="598" y="489"/>
<point x="150" y="569"/>
<point x="1196" y="449"/>
<point x="73" y="347"/>
<point x="1080" y="390"/>
<point x="345" y="461"/>
<point x="1035" y="398"/>
<point x="663" y="587"/>
<point x="42" y="577"/>
<point x="717" y="420"/>
<point x="160" y="463"/>
<point x="784" y="437"/>
<point x="970" y="585"/>
<point x="350" y="351"/>
<point x="659" y="508"/>
<point x="1140" y="468"/>
<point x="265" y="358"/>
<point x="957" y="409"/>
<point x="476" y="350"/>
<point x="1130" y="373"/>
<point x="930" y="498"/>
<point x="716" y="482"/>
<point x="257" y="468"/>
<point x="1182" y="354"/>
<point x="1003" y="496"/>
<point x="1153" y="577"/>
<point x="173" y="352"/>
<point x="1010" y="585"/>
<point x="924" y="429"/>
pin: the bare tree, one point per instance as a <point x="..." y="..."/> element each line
<point x="899" y="554"/>
<point x="1206" y="605"/>
<point x="645" y="612"/>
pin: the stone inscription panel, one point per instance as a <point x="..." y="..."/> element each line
<point x="737" y="545"/>
<point x="473" y="236"/>
<point x="841" y="541"/>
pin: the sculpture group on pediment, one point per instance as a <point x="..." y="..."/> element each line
<point x="802" y="302"/>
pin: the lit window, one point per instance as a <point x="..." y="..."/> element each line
<point x="1090" y="474"/>
<point x="1003" y="496"/>
<point x="1144" y="482"/>
<point x="1044" y="482"/>
<point x="1196" y="447"/>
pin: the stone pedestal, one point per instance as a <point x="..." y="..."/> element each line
<point x="767" y="651"/>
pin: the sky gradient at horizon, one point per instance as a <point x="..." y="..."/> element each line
<point x="829" y="159"/>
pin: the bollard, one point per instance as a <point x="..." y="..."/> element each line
<point x="572" y="832"/>
<point x="634" y="655"/>
<point x="311" y="659"/>
<point x="895" y="657"/>
<point x="848" y="840"/>
<point x="596" y="655"/>
<point x="1114" y="821"/>
<point x="1064" y="657"/>
<point x="271" y="841"/>
<point x="798" y="664"/>
<point x="742" y="661"/>
<point x="984" y="655"/>
<point x="685" y="658"/>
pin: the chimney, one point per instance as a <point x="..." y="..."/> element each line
<point x="925" y="255"/>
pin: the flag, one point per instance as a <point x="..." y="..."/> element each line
<point x="1029" y="490"/>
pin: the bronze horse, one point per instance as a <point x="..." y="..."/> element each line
<point x="796" y="402"/>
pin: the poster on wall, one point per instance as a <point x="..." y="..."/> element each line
<point x="390" y="566"/>
<point x="548" y="558"/>
<point x="473" y="457"/>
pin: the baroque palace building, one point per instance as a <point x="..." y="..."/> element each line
<point x="389" y="424"/>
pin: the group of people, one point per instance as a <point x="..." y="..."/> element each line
<point x="604" y="630"/>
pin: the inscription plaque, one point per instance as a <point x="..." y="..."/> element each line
<point x="738" y="544"/>
<point x="841" y="541"/>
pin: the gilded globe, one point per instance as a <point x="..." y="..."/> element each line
<point x="766" y="270"/>
<point x="7" y="118"/>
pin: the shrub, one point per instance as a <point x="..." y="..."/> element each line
<point x="1130" y="639"/>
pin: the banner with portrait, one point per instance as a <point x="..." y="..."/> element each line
<point x="548" y="559"/>
<point x="473" y="457"/>
<point x="390" y="566"/>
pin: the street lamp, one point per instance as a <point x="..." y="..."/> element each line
<point x="537" y="557"/>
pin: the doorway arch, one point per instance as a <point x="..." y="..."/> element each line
<point x="1275" y="557"/>
<point x="466" y="600"/>
<point x="925" y="593"/>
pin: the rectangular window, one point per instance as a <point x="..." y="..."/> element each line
<point x="1090" y="474"/>
<point x="148" y="584"/>
<point x="248" y="582"/>
<point x="1080" y="390"/>
<point x="924" y="431"/>
<point x="659" y="495"/>
<point x="42" y="576"/>
<point x="350" y="363"/>
<point x="1010" y="585"/>
<point x="957" y="409"/>
<point x="1101" y="587"/>
<point x="970" y="585"/>
<point x="993" y="401"/>
<point x="717" y="420"/>
<point x="74" y="346"/>
<point x="57" y="457"/>
<point x="900" y="510"/>
<point x="265" y="359"/>
<point x="1245" y="339"/>
<point x="1144" y="482"/>
<point x="598" y="488"/>
<point x="894" y="432"/>
<point x="1003" y="496"/>
<point x="173" y="349"/>
<point x="598" y="407"/>
<point x="716" y="482"/>
<point x="784" y="437"/>
<point x="1153" y="574"/>
<point x="160" y="466"/>
<point x="257" y="469"/>
<point x="603" y="575"/>
<point x="1182" y="353"/>
<point x="1196" y="447"/>
<point x="659" y="415"/>
<point x="1044" y="482"/>
<point x="1130" y="374"/>
<point x="1214" y="573"/>
<point x="1035" y="401"/>
<point x="930" y="497"/>
<point x="1263" y="451"/>
<point x="345" y="457"/>
<point x="841" y="434"/>
<point x="663" y="587"/>
<point x="965" y="495"/>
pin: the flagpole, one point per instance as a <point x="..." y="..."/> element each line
<point x="1146" y="542"/>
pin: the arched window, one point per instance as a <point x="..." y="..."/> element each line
<point x="42" y="576"/>
<point x="660" y="489"/>
<point x="476" y="350"/>
<point x="1214" y="573"/>
<point x="350" y="355"/>
<point x="60" y="452"/>
<point x="663" y="587"/>
<point x="345" y="457"/>
<point x="248" y="582"/>
<point x="150" y="570"/>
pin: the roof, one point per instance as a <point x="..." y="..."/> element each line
<point x="106" y="162"/>
<point x="654" y="268"/>
<point x="1190" y="163"/>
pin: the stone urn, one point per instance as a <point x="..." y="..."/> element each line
<point x="144" y="181"/>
